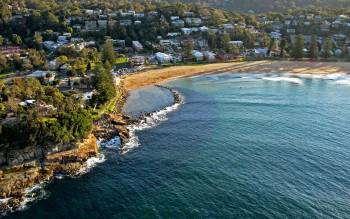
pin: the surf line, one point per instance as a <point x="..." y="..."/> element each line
<point x="150" y="120"/>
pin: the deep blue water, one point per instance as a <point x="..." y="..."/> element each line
<point x="239" y="147"/>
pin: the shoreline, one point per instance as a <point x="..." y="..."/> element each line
<point x="156" y="76"/>
<point x="117" y="124"/>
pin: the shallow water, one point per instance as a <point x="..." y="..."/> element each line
<point x="241" y="146"/>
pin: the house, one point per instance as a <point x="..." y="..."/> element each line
<point x="10" y="50"/>
<point x="137" y="46"/>
<point x="193" y="21"/>
<point x="53" y="64"/>
<point x="126" y="22"/>
<point x="139" y="15"/>
<point x="338" y="52"/>
<point x="77" y="27"/>
<point x="291" y="31"/>
<point x="137" y="22"/>
<point x="213" y="30"/>
<point x="237" y="43"/>
<point x="88" y="95"/>
<point x="227" y="27"/>
<point x="325" y="27"/>
<point x="119" y="43"/>
<point x="27" y="103"/>
<point x="277" y="26"/>
<point x="260" y="52"/>
<point x="46" y="76"/>
<point x="164" y="43"/>
<point x="89" y="12"/>
<point x="50" y="45"/>
<point x="209" y="56"/>
<point x="173" y="34"/>
<point x="127" y="14"/>
<point x="137" y="60"/>
<point x="204" y="29"/>
<point x="186" y="31"/>
<point x="62" y="40"/>
<point x="64" y="68"/>
<point x="174" y="18"/>
<point x="189" y="14"/>
<point x="197" y="55"/>
<point x="90" y="25"/>
<point x="178" y="23"/>
<point x="102" y="24"/>
<point x="163" y="57"/>
<point x="152" y="13"/>
<point x="276" y="35"/>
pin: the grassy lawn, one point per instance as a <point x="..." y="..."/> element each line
<point x="5" y="75"/>
<point x="108" y="107"/>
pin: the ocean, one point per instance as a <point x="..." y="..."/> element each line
<point x="237" y="146"/>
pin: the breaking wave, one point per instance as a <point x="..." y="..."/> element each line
<point x="38" y="192"/>
<point x="149" y="121"/>
<point x="287" y="79"/>
<point x="345" y="81"/>
<point x="112" y="144"/>
<point x="91" y="163"/>
<point x="31" y="195"/>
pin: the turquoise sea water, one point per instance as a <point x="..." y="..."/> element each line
<point x="241" y="146"/>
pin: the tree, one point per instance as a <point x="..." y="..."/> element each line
<point x="272" y="47"/>
<point x="62" y="59"/>
<point x="314" y="47"/>
<point x="17" y="40"/>
<point x="188" y="48"/>
<point x="233" y="49"/>
<point x="298" y="47"/>
<point x="38" y="39"/>
<point x="327" y="48"/>
<point x="105" y="86"/>
<point x="2" y="40"/>
<point x="212" y="40"/>
<point x="79" y="67"/>
<point x="36" y="58"/>
<point x="283" y="46"/>
<point x="108" y="53"/>
<point x="224" y="41"/>
<point x="3" y="63"/>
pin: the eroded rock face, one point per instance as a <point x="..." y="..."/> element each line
<point x="28" y="167"/>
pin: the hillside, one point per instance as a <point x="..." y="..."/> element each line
<point x="269" y="5"/>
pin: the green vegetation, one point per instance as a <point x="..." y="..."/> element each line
<point x="271" y="5"/>
<point x="52" y="117"/>
<point x="314" y="47"/>
<point x="298" y="47"/>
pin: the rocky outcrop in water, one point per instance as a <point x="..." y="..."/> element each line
<point x="28" y="167"/>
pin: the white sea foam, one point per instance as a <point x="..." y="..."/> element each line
<point x="91" y="163"/>
<point x="147" y="122"/>
<point x="32" y="194"/>
<point x="334" y="76"/>
<point x="113" y="143"/>
<point x="345" y="81"/>
<point x="287" y="79"/>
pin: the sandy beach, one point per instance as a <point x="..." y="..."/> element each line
<point x="155" y="76"/>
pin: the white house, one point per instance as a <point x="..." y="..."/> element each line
<point x="237" y="43"/>
<point x="209" y="56"/>
<point x="48" y="76"/>
<point x="137" y="46"/>
<point x="186" y="31"/>
<point x="197" y="55"/>
<point x="163" y="57"/>
<point x="260" y="52"/>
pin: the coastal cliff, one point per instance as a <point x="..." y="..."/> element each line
<point x="31" y="167"/>
<point x="22" y="168"/>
